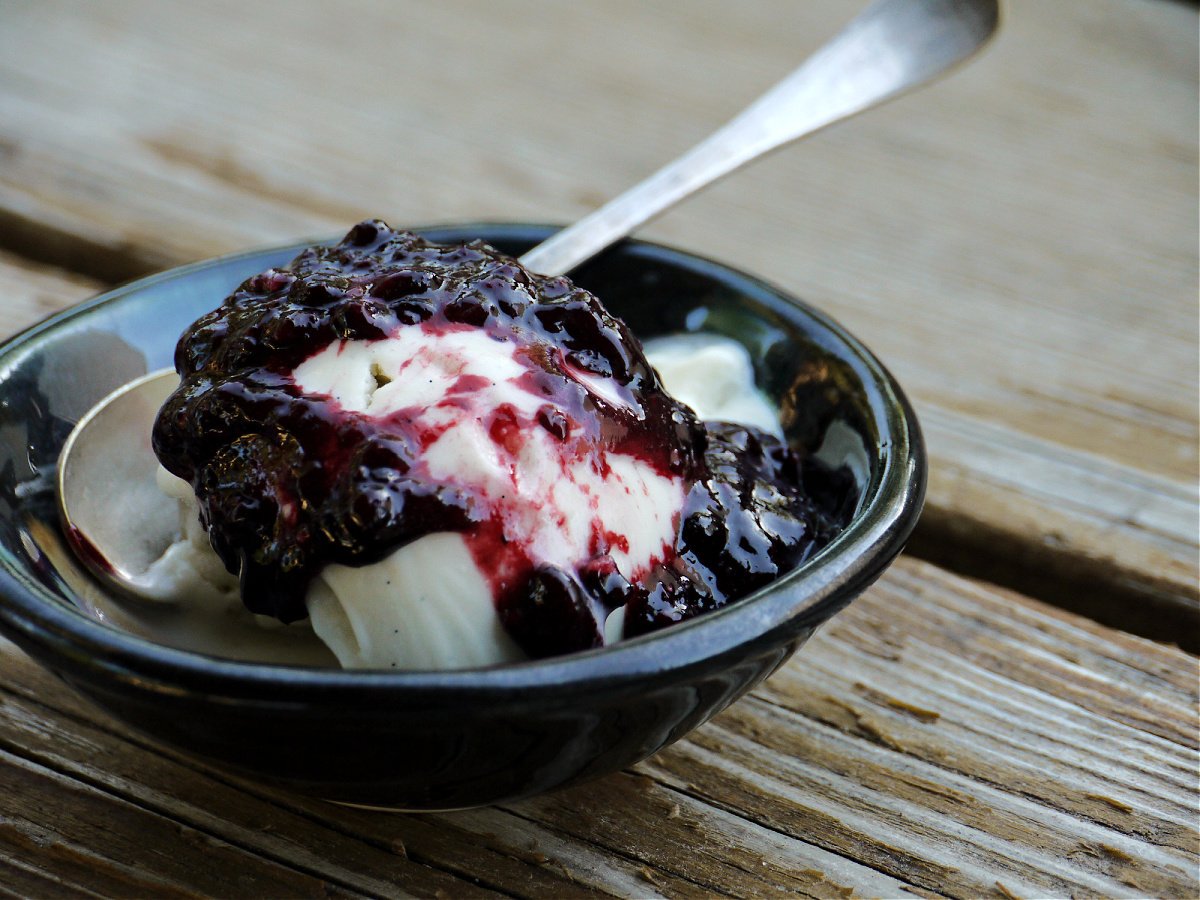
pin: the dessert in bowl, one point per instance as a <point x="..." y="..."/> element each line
<point x="423" y="739"/>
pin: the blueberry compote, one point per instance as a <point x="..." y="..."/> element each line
<point x="549" y="394"/>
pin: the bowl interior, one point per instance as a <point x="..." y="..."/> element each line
<point x="837" y="404"/>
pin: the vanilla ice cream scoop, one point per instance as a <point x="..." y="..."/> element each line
<point x="430" y="604"/>
<point x="337" y="413"/>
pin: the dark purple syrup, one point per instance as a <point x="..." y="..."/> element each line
<point x="288" y="482"/>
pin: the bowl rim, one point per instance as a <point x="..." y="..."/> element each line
<point x="758" y="623"/>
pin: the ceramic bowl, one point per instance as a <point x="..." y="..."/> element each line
<point x="439" y="740"/>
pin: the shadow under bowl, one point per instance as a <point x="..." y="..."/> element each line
<point x="440" y="740"/>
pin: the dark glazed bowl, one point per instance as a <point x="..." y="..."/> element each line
<point x="436" y="740"/>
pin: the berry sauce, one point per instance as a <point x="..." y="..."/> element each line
<point x="290" y="477"/>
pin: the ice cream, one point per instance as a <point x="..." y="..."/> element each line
<point x="427" y="605"/>
<point x="444" y="460"/>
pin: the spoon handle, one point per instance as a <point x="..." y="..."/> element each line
<point x="891" y="47"/>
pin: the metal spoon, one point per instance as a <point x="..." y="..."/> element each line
<point x="892" y="47"/>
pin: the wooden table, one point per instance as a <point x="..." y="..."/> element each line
<point x="1011" y="711"/>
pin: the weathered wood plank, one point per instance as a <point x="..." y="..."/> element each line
<point x="1096" y="537"/>
<point x="29" y="292"/>
<point x="19" y="882"/>
<point x="100" y="843"/>
<point x="938" y="737"/>
<point x="990" y="237"/>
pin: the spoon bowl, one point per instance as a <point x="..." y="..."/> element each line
<point x="106" y="480"/>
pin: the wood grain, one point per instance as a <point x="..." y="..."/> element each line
<point x="1018" y="243"/>
<point x="939" y="737"/>
<point x="30" y="292"/>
